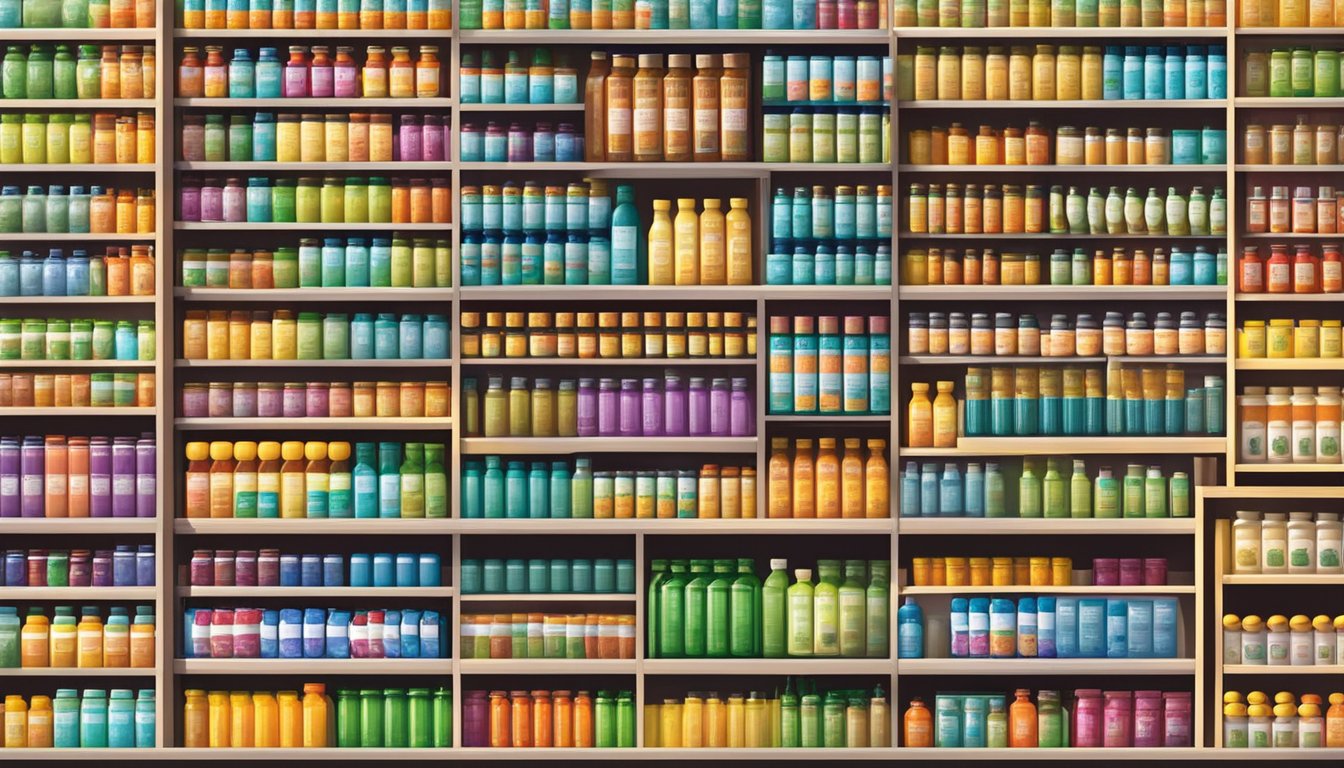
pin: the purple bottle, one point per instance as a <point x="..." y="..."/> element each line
<point x="632" y="418"/>
<point x="100" y="477"/>
<point x="608" y="411"/>
<point x="103" y="569"/>
<point x="698" y="414"/>
<point x="9" y="477"/>
<point x="520" y="144"/>
<point x="219" y="401"/>
<point x="145" y="565"/>
<point x="212" y="201"/>
<point x="411" y="138"/>
<point x="32" y="482"/>
<point x="653" y="409"/>
<point x="123" y="477"/>
<point x="189" y="200"/>
<point x="146" y="482"/>
<point x="674" y="406"/>
<point x="742" y="410"/>
<point x="244" y="400"/>
<point x="719" y="411"/>
<point x="586" y="408"/>
<point x="476" y="720"/>
<point x="433" y="139"/>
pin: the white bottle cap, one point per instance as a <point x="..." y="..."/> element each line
<point x="803" y="574"/>
<point x="778" y="564"/>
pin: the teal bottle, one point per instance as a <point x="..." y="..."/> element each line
<point x="473" y="490"/>
<point x="561" y="504"/>
<point x="627" y="261"/>
<point x="697" y="609"/>
<point x="145" y="719"/>
<point x="493" y="489"/>
<point x="717" y="621"/>
<point x="93" y="719"/>
<point x="515" y="491"/>
<point x="658" y="575"/>
<point x="65" y="718"/>
<point x="121" y="719"/>
<point x="745" y="610"/>
<point x="672" y="613"/>
<point x="389" y="480"/>
<point x="538" y="492"/>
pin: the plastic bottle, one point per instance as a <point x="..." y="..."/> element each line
<point x="825" y="617"/>
<point x="738" y="247"/>
<point x="853" y="607"/>
<point x="672" y="612"/>
<point x="910" y="630"/>
<point x="775" y="638"/>
<point x="661" y="261"/>
<point x="919" y="427"/>
<point x="717" y="610"/>
<point x="316" y="715"/>
<point x="746" y="611"/>
<point x="917" y="725"/>
<point x="685" y="243"/>
<point x="945" y="417"/>
<point x="799" y="630"/>
<point x="696" y="609"/>
<point x="1022" y="721"/>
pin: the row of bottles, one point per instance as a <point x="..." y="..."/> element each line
<point x="1065" y="145"/>
<point x="314" y="200"/>
<point x="1121" y="266"/>
<point x="1253" y="722"/>
<point x="1286" y="542"/>
<point x="289" y="137"/>
<point x="609" y="334"/>
<point x="271" y="568"/>
<point x="329" y="262"/>
<point x="285" y="335"/>
<point x="75" y="720"/>
<point x="256" y="14"/>
<point x="266" y="77"/>
<point x="962" y="13"/>
<point x="1004" y="335"/>
<point x="128" y="565"/>
<point x="830" y="364"/>
<point x="316" y="399"/>
<point x="678" y="14"/>
<point x="118" y="271"/>
<point x="828" y="485"/>
<point x="313" y="633"/>
<point x="547" y="636"/>
<point x="1280" y="641"/>
<point x="1289" y="425"/>
<point x="802" y="715"/>
<point x="1063" y="626"/>
<point x="63" y="641"/>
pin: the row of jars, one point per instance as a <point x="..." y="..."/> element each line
<point x="609" y="335"/>
<point x="316" y="399"/>
<point x="1289" y="425"/>
<point x="118" y="271"/>
<point x="1300" y="72"/>
<point x="302" y="76"/>
<point x="803" y="15"/>
<point x="1304" y="211"/>
<point x="1274" y="13"/>
<point x="955" y="145"/>
<point x="76" y="390"/>
<point x="541" y="142"/>
<point x="1004" y="335"/>
<point x="353" y="137"/>
<point x="1299" y="144"/>
<point x="356" y="262"/>
<point x="280" y="334"/>
<point x="827" y="136"/>
<point x="262" y="14"/>
<point x="78" y="14"/>
<point x="939" y="266"/>
<point x="100" y="138"/>
<point x="822" y="79"/>
<point x="308" y="199"/>
<point x="1068" y="13"/>
<point x="1303" y="272"/>
<point x="96" y="72"/>
<point x="96" y="209"/>
<point x="483" y="80"/>
<point x="59" y="338"/>
<point x="1024" y="73"/>
<point x="1286" y="338"/>
<point x="937" y="209"/>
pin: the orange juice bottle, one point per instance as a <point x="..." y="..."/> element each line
<point x="945" y="417"/>
<point x="16" y="722"/>
<point x="89" y="639"/>
<point x="142" y="639"/>
<point x="40" y="733"/>
<point x="1334" y="721"/>
<point x="877" y="478"/>
<point x="919" y="427"/>
<point x="804" y="479"/>
<point x="851" y="480"/>
<point x="780" y="503"/>
<point x="1022" y="723"/>
<point x="917" y="725"/>
<point x="291" y="719"/>
<point x="827" y="479"/>
<point x="315" y="714"/>
<point x="241" y="719"/>
<point x="219" y="719"/>
<point x="266" y="728"/>
<point x="64" y="642"/>
<point x="35" y="642"/>
<point x="195" y="719"/>
<point x="117" y="641"/>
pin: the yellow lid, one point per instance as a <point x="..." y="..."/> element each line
<point x="738" y="202"/>
<point x="221" y="450"/>
<point x="1339" y="623"/>
<point x="315" y="450"/>
<point x="1277" y="623"/>
<point x="1322" y="623"/>
<point x="686" y="202"/>
<point x="1256" y="697"/>
<point x="1234" y="710"/>
<point x="1231" y="697"/>
<point x="1251" y="623"/>
<point x="268" y="450"/>
<point x="1285" y="710"/>
<point x="198" y="451"/>
<point x="1258" y="710"/>
<point x="1284" y="697"/>
<point x="662" y="205"/>
<point x="339" y="451"/>
<point x="1300" y="623"/>
<point x="1232" y="621"/>
<point x="195" y="692"/>
<point x="1280" y="322"/>
<point x="291" y="450"/>
<point x="1337" y="698"/>
<point x="1309" y="710"/>
<point x="245" y="450"/>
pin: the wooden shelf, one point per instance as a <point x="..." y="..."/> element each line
<point x="436" y="424"/>
<point x="1168" y="589"/>
<point x="1080" y="106"/>
<point x="1034" y="170"/>
<point x="1036" y="293"/>
<point x="1026" y="360"/>
<point x="324" y="103"/>
<point x="1289" y="297"/>
<point x="74" y="300"/>
<point x="272" y="226"/>
<point x="78" y="34"/>
<point x="1289" y="31"/>
<point x="360" y="364"/>
<point x="986" y="667"/>
<point x="1113" y="34"/>
<point x="316" y="592"/>
<point x="525" y="108"/>
<point x="77" y="594"/>
<point x="678" y="292"/>
<point x="1020" y="526"/>
<point x="524" y="597"/>
<point x="100" y="105"/>
<point x="93" y="168"/>
<point x="1300" y="102"/>
<point x="812" y="666"/>
<point x="609" y="362"/>
<point x="114" y="365"/>
<point x="443" y="667"/>
<point x="316" y="168"/>
<point x="547" y="666"/>
<point x="56" y="238"/>
<point x="674" y="526"/>
<point x="1292" y="364"/>
<point x="1257" y="669"/>
<point x="828" y="418"/>
<point x="129" y="526"/>
<point x="1267" y="168"/>
<point x="77" y="672"/>
<point x="771" y="37"/>
<point x="1287" y="469"/>
<point x="287" y="295"/>
<point x="314" y="527"/>
<point x="129" y="410"/>
<point x="298" y="34"/>
<point x="1062" y="446"/>
<point x="1283" y="579"/>
<point x="719" y="170"/>
<point x="561" y="446"/>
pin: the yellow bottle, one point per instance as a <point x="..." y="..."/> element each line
<point x="315" y="712"/>
<point x="945" y="417"/>
<point x="737" y="722"/>
<point x="221" y="479"/>
<point x="781" y="479"/>
<point x="35" y="642"/>
<point x="716" y="723"/>
<point x="757" y="729"/>
<point x="660" y="244"/>
<point x="693" y="721"/>
<point x="291" y="719"/>
<point x="686" y="242"/>
<point x="879" y="722"/>
<point x="242" y="720"/>
<point x="196" y="719"/>
<point x="713" y="256"/>
<point x="828" y="479"/>
<point x="919" y="427"/>
<point x="142" y="646"/>
<point x="774" y="716"/>
<point x="851" y="480"/>
<point x="268" y="478"/>
<point x="876" y="477"/>
<point x="804" y="479"/>
<point x="89" y="638"/>
<point x="266" y="730"/>
<point x="671" y="719"/>
<point x="220" y="719"/>
<point x="317" y="480"/>
<point x="40" y="733"/>
<point x="739" y="242"/>
<point x="117" y="645"/>
<point x="16" y="722"/>
<point x="653" y="725"/>
<point x="293" y="492"/>
<point x="64" y="642"/>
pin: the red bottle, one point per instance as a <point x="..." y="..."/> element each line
<point x="1278" y="270"/>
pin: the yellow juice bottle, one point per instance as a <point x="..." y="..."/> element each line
<point x="293" y="492"/>
<point x="716" y="722"/>
<point x="268" y="479"/>
<point x="739" y="242"/>
<point x="686" y="242"/>
<point x="117" y="643"/>
<point x="945" y="417"/>
<point x="653" y="725"/>
<point x="919" y="426"/>
<point x="89" y="636"/>
<point x="713" y="256"/>
<point x="242" y="720"/>
<point x="196" y="719"/>
<point x="221" y="479"/>
<point x="804" y="479"/>
<point x="851" y="480"/>
<point x="266" y="714"/>
<point x="737" y="722"/>
<point x="877" y="478"/>
<point x="827" y="479"/>
<point x="315" y="713"/>
<point x="142" y="642"/>
<point x="660" y="244"/>
<point x="669" y="719"/>
<point x="291" y="719"/>
<point x="40" y="733"/>
<point x="16" y="722"/>
<point x="220" y="719"/>
<point x="64" y="642"/>
<point x="781" y="479"/>
<point x="35" y="642"/>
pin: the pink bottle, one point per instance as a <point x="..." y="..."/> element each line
<point x="296" y="73"/>
<point x="1131" y="571"/>
<point x="1118" y="720"/>
<point x="1176" y="721"/>
<point x="1087" y="716"/>
<point x="1148" y="728"/>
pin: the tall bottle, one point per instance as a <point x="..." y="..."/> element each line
<point x="705" y="142"/>
<point x="774" y="611"/>
<point x="825" y="618"/>
<point x="686" y="243"/>
<point x="677" y="133"/>
<point x="661" y="269"/>
<point x="800" y="614"/>
<point x="713" y="256"/>
<point x="1023" y="724"/>
<point x="626" y="264"/>
<point x="697" y="608"/>
<point x="746" y="610"/>
<point x="595" y="108"/>
<point x="672" y="613"/>
<point x="647" y="112"/>
<point x="919" y="426"/>
<point x="853" y="611"/>
<point x="619" y="95"/>
<point x="910" y="630"/>
<point x="718" y="611"/>
<point x="739" y="267"/>
<point x="945" y="417"/>
<point x="878" y="611"/>
<point x="735" y="126"/>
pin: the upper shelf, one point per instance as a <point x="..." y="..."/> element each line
<point x="1060" y="446"/>
<point x="1063" y="292"/>
<point x="1079" y="105"/>
<point x="1070" y="33"/>
<point x="626" y="37"/>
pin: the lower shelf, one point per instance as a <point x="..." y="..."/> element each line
<point x="1262" y="669"/>
<point x="1046" y="666"/>
<point x="313" y="666"/>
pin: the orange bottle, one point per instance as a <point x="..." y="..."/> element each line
<point x="195" y="722"/>
<point x="57" y="477"/>
<point x="542" y="728"/>
<point x="851" y="480"/>
<point x="266" y="731"/>
<point x="79" y="476"/>
<point x="291" y="719"/>
<point x="242" y="720"/>
<point x="1022" y="722"/>
<point x="877" y="478"/>
<point x="781" y="479"/>
<point x="501" y="730"/>
<point x="401" y="74"/>
<point x="1334" y="722"/>
<point x="563" y="708"/>
<point x="221" y="479"/>
<point x="917" y="725"/>
<point x="583" y="720"/>
<point x="828" y="479"/>
<point x="804" y="479"/>
<point x="198" y="479"/>
<point x="316" y="713"/>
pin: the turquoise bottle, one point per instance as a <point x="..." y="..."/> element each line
<point x="627" y="261"/>
<point x="93" y="719"/>
<point x="121" y="719"/>
<point x="538" y="491"/>
<point x="389" y="480"/>
<point x="774" y="610"/>
<point x="65" y="718"/>
<point x="493" y="489"/>
<point x="745" y="609"/>
<point x="672" y="613"/>
<point x="658" y="575"/>
<point x="717" y="610"/>
<point x="515" y="491"/>
<point x="561" y="505"/>
<point x="473" y="500"/>
<point x="697" y="609"/>
<point x="145" y="718"/>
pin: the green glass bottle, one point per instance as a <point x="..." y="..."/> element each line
<point x="717" y="610"/>
<point x="1028" y="493"/>
<point x="878" y="610"/>
<point x="672" y="613"/>
<point x="370" y="718"/>
<point x="436" y="481"/>
<point x="1080" y="491"/>
<point x="443" y="718"/>
<point x="1132" y="488"/>
<point x="745" y="611"/>
<point x="801" y="608"/>
<point x="833" y="720"/>
<point x="697" y="609"/>
<point x="420" y="718"/>
<point x="625" y="719"/>
<point x="581" y="488"/>
<point x="396" y="730"/>
<point x="774" y="610"/>
<point x="791" y="726"/>
<point x="604" y="719"/>
<point x="658" y="575"/>
<point x="347" y="717"/>
<point x="853" y="610"/>
<point x="809" y="717"/>
<point x="1056" y="505"/>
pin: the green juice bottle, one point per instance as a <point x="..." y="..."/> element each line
<point x="853" y="610"/>
<point x="1080" y="491"/>
<point x="413" y="481"/>
<point x="800" y="614"/>
<point x="581" y="488"/>
<point x="672" y="613"/>
<point x="791" y="726"/>
<point x="1052" y="485"/>
<point x="659" y="575"/>
<point x="774" y="610"/>
<point x="1028" y="493"/>
<point x="697" y="609"/>
<point x="436" y="481"/>
<point x="745" y="611"/>
<point x="878" y="611"/>
<point x="717" y="610"/>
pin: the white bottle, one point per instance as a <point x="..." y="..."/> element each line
<point x="1246" y="542"/>
<point x="1258" y="726"/>
<point x="1277" y="641"/>
<point x="1254" y="439"/>
<point x="1327" y="430"/>
<point x="1274" y="543"/>
<point x="1301" y="542"/>
<point x="1329" y="543"/>
<point x="1279" y="432"/>
<point x="1252" y="640"/>
<point x="1324" y="650"/>
<point x="1304" y="430"/>
<point x="1301" y="644"/>
<point x="1231" y="639"/>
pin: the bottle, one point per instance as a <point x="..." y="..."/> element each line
<point x="919" y="427"/>
<point x="799" y="629"/>
<point x="626" y="266"/>
<point x="713" y="257"/>
<point x="660" y="251"/>
<point x="825" y="618"/>
<point x="853" y="607"/>
<point x="910" y="630"/>
<point x="774" y="611"/>
<point x="945" y="417"/>
<point x="1022" y="721"/>
<point x="917" y="725"/>
<point x="738" y="248"/>
<point x="685" y="243"/>
<point x="745" y="608"/>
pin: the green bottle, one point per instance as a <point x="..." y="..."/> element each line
<point x="809" y="709"/>
<point x="1134" y="224"/>
<point x="1154" y="213"/>
<point x="791" y="726"/>
<point x="604" y="719"/>
<point x="672" y="613"/>
<point x="745" y="611"/>
<point x="1133" y="491"/>
<point x="1178" y="221"/>
<point x="996" y="725"/>
<point x="1105" y="495"/>
<point x="878" y="599"/>
<point x="581" y="488"/>
<point x="347" y="717"/>
<point x="774" y="610"/>
<point x="800" y="614"/>
<point x="1080" y="491"/>
<point x="853" y="610"/>
<point x="396" y="729"/>
<point x="370" y="718"/>
<point x="1155" y="494"/>
<point x="1049" y="722"/>
<point x="717" y="610"/>
<point x="413" y="481"/>
<point x="625" y="719"/>
<point x="1198" y="212"/>
<point x="833" y="720"/>
<point x="659" y="575"/>
<point x="697" y="609"/>
<point x="420" y="718"/>
<point x="436" y="481"/>
<point x="443" y="717"/>
<point x="389" y="481"/>
<point x="826" y="618"/>
<point x="1053" y="486"/>
<point x="995" y="506"/>
<point x="1028" y="493"/>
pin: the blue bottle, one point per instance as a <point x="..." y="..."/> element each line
<point x="844" y="265"/>
<point x="726" y="14"/>
<point x="263" y="137"/>
<point x="974" y="497"/>
<point x="410" y="635"/>
<point x="338" y="634"/>
<point x="702" y="14"/>
<point x="121" y="719"/>
<point x="1133" y="73"/>
<point x="65" y="719"/>
<point x="823" y="266"/>
<point x="1112" y="73"/>
<point x="93" y="719"/>
<point x="977" y="627"/>
<point x="492" y="484"/>
<point x="145" y="716"/>
<point x="428" y="570"/>
<point x="576" y="259"/>
<point x="910" y="490"/>
<point x="410" y="337"/>
<point x="269" y="74"/>
<point x="1117" y="629"/>
<point x="242" y="75"/>
<point x="314" y="633"/>
<point x="950" y="493"/>
<point x="910" y="630"/>
<point x="1173" y="68"/>
<point x="804" y="267"/>
<point x="1154" y="79"/>
<point x="973" y="722"/>
<point x="384" y="570"/>
<point x="1045" y="628"/>
<point x="1026" y="627"/>
<point x="929" y="495"/>
<point x="471" y="259"/>
<point x="553" y="259"/>
<point x="1196" y="73"/>
<point x="804" y="14"/>
<point x="599" y="259"/>
<point x="561" y="505"/>
<point x="54" y="274"/>
<point x="361" y="570"/>
<point x="515" y="491"/>
<point x="1217" y="72"/>
<point x="776" y="14"/>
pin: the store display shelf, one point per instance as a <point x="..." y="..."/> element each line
<point x="526" y="108"/>
<point x="394" y="526"/>
<point x="959" y="526"/>
<point x="73" y="34"/>
<point x="1070" y="169"/>
<point x="577" y="597"/>
<point x="1070" y="33"/>
<point x="298" y="34"/>
<point x="231" y="295"/>
<point x="609" y="362"/>
<point x="1054" y="360"/>
<point x="104" y="365"/>
<point x="1270" y="492"/>
<point x="56" y="238"/>
<point x="317" y="167"/>
<point x="80" y="525"/>
<point x="1284" y="579"/>
<point x="680" y="526"/>
<point x="1037" y="293"/>
<point x="1063" y="238"/>
<point x="807" y="665"/>
<point x="572" y="293"/>
<point x="1292" y="364"/>
<point x="927" y="667"/>
<point x="720" y="170"/>
<point x="361" y="364"/>
<point x="76" y="594"/>
<point x="548" y="666"/>
<point x="313" y="666"/>
<point x="1267" y="168"/>
<point x="73" y="300"/>
<point x="101" y="105"/>
<point x="1288" y="469"/>
<point x="316" y="592"/>
<point x="300" y="104"/>
<point x="289" y="226"/>
<point x="1260" y="669"/>
<point x="1289" y="237"/>
<point x="76" y="672"/>
<point x="828" y="418"/>
<point x="1166" y="589"/>
<point x="1062" y="446"/>
<point x="1297" y="102"/>
<point x="136" y="410"/>
<point x="1079" y="106"/>
<point x="1291" y="297"/>
<point x="702" y="37"/>
<point x="77" y="167"/>
<point x="432" y="424"/>
<point x="557" y="446"/>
